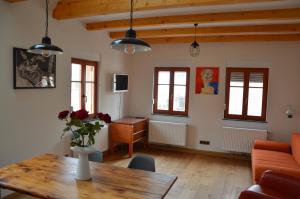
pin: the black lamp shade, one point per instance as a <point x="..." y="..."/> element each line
<point x="137" y="44"/>
<point x="130" y="42"/>
<point x="45" y="48"/>
<point x="195" y="44"/>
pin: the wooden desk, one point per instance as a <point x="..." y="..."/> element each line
<point x="52" y="177"/>
<point x="128" y="130"/>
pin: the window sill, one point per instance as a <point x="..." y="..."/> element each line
<point x="238" y="120"/>
<point x="168" y="115"/>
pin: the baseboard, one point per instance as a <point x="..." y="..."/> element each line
<point x="202" y="152"/>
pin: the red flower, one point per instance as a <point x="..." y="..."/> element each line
<point x="100" y="116"/>
<point x="104" y="117"/>
<point x="80" y="115"/>
<point x="107" y="118"/>
<point x="62" y="115"/>
<point x="72" y="115"/>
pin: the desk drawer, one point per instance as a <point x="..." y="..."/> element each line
<point x="139" y="126"/>
<point x="120" y="132"/>
<point x="138" y="135"/>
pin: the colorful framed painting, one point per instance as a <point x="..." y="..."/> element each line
<point x="207" y="80"/>
<point x="32" y="71"/>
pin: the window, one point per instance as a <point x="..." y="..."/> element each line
<point x="171" y="90"/>
<point x="246" y="93"/>
<point x="84" y="85"/>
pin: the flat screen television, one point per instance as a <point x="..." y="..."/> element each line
<point x="120" y="83"/>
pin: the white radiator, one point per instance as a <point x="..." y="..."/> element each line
<point x="241" y="139"/>
<point x="167" y="133"/>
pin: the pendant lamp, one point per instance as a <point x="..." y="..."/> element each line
<point x="45" y="48"/>
<point x="130" y="44"/>
<point x="195" y="47"/>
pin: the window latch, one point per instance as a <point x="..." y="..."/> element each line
<point x="85" y="98"/>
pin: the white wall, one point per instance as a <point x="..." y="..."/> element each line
<point x="206" y="111"/>
<point x="28" y="118"/>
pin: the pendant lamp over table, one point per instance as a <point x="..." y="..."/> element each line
<point x="45" y="48"/>
<point x="130" y="44"/>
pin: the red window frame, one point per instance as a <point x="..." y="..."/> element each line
<point x="170" y="111"/>
<point x="246" y="72"/>
<point x="83" y="82"/>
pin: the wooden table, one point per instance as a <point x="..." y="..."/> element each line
<point x="52" y="177"/>
<point x="128" y="130"/>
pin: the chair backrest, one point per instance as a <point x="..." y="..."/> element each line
<point x="145" y="163"/>
<point x="296" y="146"/>
<point x="97" y="156"/>
<point x="287" y="185"/>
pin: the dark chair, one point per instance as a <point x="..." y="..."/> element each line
<point x="145" y="163"/>
<point x="96" y="156"/>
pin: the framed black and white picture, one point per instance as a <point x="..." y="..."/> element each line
<point x="33" y="70"/>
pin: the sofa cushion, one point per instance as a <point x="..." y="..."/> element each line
<point x="296" y="146"/>
<point x="272" y="146"/>
<point x="263" y="160"/>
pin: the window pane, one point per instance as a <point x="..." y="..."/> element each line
<point x="255" y="99"/>
<point x="180" y="78"/>
<point x="163" y="77"/>
<point x="163" y="97"/>
<point x="237" y="79"/>
<point x="256" y="80"/>
<point x="76" y="96"/>
<point x="90" y="73"/>
<point x="90" y="93"/>
<point x="76" y="72"/>
<point x="236" y="101"/>
<point x="179" y="98"/>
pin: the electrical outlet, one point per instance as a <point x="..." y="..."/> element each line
<point x="204" y="142"/>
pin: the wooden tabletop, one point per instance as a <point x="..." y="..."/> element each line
<point x="52" y="177"/>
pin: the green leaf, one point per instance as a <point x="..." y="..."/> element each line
<point x="97" y="126"/>
<point x="67" y="129"/>
<point x="77" y="123"/>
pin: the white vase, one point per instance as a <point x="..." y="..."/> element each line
<point x="83" y="166"/>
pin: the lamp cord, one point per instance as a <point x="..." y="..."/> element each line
<point x="131" y="14"/>
<point x="46" y="34"/>
<point x="195" y="32"/>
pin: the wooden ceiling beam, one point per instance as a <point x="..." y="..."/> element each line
<point x="182" y="32"/>
<point x="240" y="16"/>
<point x="230" y="38"/>
<point x="67" y="9"/>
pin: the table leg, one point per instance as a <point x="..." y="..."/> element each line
<point x="111" y="147"/>
<point x="130" y="149"/>
<point x="145" y="143"/>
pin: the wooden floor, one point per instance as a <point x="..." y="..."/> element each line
<point x="199" y="176"/>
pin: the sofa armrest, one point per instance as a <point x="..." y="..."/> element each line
<point x="272" y="146"/>
<point x="278" y="181"/>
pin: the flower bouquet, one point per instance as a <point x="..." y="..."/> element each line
<point x="84" y="130"/>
